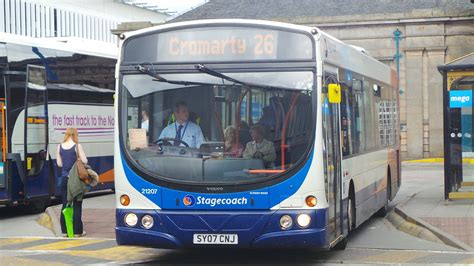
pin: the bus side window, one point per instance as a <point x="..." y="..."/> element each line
<point x="346" y="119"/>
<point x="358" y="127"/>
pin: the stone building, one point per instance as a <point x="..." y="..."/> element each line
<point x="433" y="32"/>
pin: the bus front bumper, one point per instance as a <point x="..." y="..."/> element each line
<point x="256" y="229"/>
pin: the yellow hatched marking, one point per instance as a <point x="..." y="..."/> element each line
<point x="120" y="253"/>
<point x="65" y="244"/>
<point x="467" y="261"/>
<point x="12" y="241"/>
<point x="7" y="260"/>
<point x="461" y="195"/>
<point x="394" y="257"/>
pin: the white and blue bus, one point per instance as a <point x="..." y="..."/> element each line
<point x="316" y="122"/>
<point x="46" y="86"/>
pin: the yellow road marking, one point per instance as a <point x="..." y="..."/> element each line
<point x="14" y="261"/>
<point x="12" y="241"/>
<point x="467" y="261"/>
<point x="119" y="253"/>
<point x="461" y="195"/>
<point x="394" y="257"/>
<point x="466" y="160"/>
<point x="65" y="244"/>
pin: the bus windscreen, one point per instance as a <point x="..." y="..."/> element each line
<point x="219" y="44"/>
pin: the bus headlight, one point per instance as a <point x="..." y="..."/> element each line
<point x="131" y="219"/>
<point x="147" y="221"/>
<point x="286" y="222"/>
<point x="303" y="220"/>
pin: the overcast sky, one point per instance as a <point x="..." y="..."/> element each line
<point x="176" y="5"/>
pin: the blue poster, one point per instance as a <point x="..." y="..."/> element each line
<point x="460" y="98"/>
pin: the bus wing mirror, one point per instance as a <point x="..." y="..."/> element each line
<point x="334" y="93"/>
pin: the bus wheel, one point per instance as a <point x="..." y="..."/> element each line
<point x="38" y="206"/>
<point x="384" y="210"/>
<point x="350" y="214"/>
<point x="350" y="222"/>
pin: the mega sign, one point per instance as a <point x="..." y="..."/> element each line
<point x="460" y="98"/>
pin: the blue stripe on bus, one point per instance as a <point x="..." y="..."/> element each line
<point x="257" y="199"/>
<point x="175" y="229"/>
<point x="39" y="185"/>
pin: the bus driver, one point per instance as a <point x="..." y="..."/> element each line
<point x="183" y="129"/>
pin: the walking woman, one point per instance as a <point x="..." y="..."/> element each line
<point x="66" y="158"/>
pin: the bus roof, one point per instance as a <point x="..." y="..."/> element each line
<point x="67" y="44"/>
<point x="218" y="21"/>
<point x="342" y="55"/>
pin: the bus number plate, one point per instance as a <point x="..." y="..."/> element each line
<point x="206" y="239"/>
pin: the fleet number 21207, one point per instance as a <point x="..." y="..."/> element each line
<point x="149" y="191"/>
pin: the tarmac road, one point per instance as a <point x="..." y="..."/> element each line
<point x="23" y="241"/>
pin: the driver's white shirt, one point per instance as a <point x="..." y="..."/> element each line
<point x="191" y="133"/>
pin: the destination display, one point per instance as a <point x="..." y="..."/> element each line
<point x="219" y="44"/>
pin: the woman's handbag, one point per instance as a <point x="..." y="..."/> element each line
<point x="81" y="169"/>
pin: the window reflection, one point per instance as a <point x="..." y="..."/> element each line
<point x="218" y="133"/>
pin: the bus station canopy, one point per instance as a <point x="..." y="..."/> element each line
<point x="458" y="91"/>
<point x="463" y="63"/>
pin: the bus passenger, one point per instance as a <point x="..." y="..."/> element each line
<point x="66" y="158"/>
<point x="183" y="130"/>
<point x="232" y="148"/>
<point x="145" y="120"/>
<point x="260" y="147"/>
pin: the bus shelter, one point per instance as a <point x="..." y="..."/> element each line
<point x="458" y="80"/>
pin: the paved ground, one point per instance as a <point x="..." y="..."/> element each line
<point x="376" y="241"/>
<point x="98" y="216"/>
<point x="15" y="221"/>
<point x="423" y="185"/>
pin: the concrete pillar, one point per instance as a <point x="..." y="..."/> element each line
<point x="414" y="101"/>
<point x="436" y="57"/>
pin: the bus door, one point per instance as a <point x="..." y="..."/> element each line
<point x="38" y="181"/>
<point x="4" y="195"/>
<point x="331" y="129"/>
<point x="3" y="142"/>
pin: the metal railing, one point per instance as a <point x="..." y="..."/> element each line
<point x="31" y="19"/>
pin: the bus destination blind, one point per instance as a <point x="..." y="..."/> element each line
<point x="221" y="44"/>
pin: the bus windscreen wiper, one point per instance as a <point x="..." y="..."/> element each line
<point x="159" y="78"/>
<point x="202" y="68"/>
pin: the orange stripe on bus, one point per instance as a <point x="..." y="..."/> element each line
<point x="107" y="176"/>
<point x="4" y="136"/>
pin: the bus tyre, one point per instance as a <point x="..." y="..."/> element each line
<point x="350" y="214"/>
<point x="341" y="245"/>
<point x="350" y="223"/>
<point x="38" y="206"/>
<point x="383" y="211"/>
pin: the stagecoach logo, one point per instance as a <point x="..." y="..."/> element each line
<point x="189" y="200"/>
